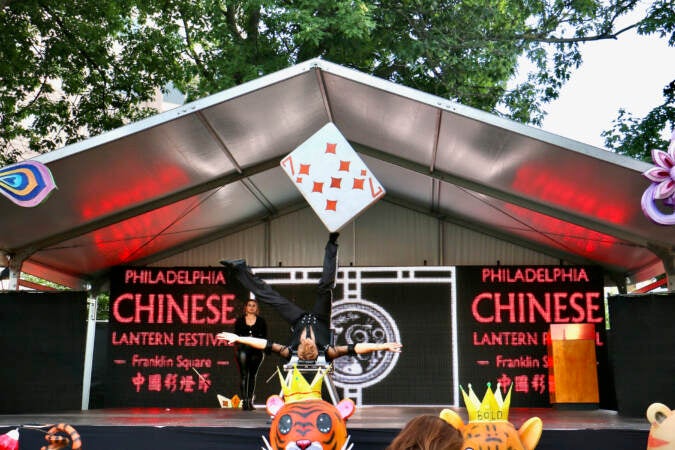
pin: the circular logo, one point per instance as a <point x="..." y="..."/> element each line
<point x="360" y="321"/>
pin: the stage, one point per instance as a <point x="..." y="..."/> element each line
<point x="371" y="427"/>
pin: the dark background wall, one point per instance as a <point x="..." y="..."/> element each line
<point x="642" y="350"/>
<point x="42" y="338"/>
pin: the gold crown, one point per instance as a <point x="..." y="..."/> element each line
<point x="493" y="407"/>
<point x="299" y="389"/>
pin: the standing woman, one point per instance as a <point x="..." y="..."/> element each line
<point x="248" y="358"/>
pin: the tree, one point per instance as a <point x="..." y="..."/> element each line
<point x="638" y="137"/>
<point x="74" y="69"/>
<point x="64" y="74"/>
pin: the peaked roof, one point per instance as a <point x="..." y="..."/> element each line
<point x="187" y="176"/>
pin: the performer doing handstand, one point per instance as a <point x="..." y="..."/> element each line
<point x="310" y="330"/>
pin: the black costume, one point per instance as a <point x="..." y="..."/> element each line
<point x="318" y="320"/>
<point x="249" y="358"/>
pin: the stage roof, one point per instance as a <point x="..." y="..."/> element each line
<point x="190" y="175"/>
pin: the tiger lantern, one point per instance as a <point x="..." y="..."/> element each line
<point x="303" y="421"/>
<point x="62" y="436"/>
<point x="662" y="431"/>
<point x="489" y="427"/>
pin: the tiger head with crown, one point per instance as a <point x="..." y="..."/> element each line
<point x="309" y="425"/>
<point x="303" y="421"/>
<point x="489" y="428"/>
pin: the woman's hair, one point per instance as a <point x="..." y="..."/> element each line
<point x="307" y="350"/>
<point x="427" y="432"/>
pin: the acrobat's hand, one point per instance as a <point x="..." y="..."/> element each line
<point x="229" y="337"/>
<point x="393" y="347"/>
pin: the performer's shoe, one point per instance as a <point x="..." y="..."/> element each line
<point x="247" y="405"/>
<point x="233" y="263"/>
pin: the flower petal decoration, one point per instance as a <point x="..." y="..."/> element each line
<point x="662" y="159"/>
<point x="664" y="189"/>
<point x="657" y="174"/>
<point x="662" y="186"/>
<point x="27" y="183"/>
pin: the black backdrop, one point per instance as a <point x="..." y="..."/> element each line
<point x="43" y="338"/>
<point x="181" y="342"/>
<point x="423" y="373"/>
<point x="642" y="350"/>
<point x="520" y="357"/>
<point x="417" y="301"/>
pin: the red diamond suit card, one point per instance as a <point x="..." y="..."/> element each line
<point x="332" y="178"/>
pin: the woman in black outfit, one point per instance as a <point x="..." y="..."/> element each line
<point x="248" y="358"/>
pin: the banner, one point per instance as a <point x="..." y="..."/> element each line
<point x="458" y="325"/>
<point x="162" y="349"/>
<point x="162" y="346"/>
<point x="504" y="314"/>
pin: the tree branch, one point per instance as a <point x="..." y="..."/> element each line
<point x="190" y="48"/>
<point x="231" y="20"/>
<point x="561" y="40"/>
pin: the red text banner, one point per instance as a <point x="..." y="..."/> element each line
<point x="504" y="314"/>
<point x="162" y="346"/>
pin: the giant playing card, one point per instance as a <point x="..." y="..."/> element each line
<point x="332" y="177"/>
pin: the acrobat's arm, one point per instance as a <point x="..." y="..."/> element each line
<point x="363" y="347"/>
<point x="261" y="344"/>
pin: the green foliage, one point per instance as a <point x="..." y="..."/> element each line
<point x="41" y="282"/>
<point x="75" y="69"/>
<point x="103" y="306"/>
<point x="637" y="137"/>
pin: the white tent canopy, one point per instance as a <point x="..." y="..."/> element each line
<point x="193" y="174"/>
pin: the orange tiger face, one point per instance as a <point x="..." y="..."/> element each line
<point x="495" y="434"/>
<point x="309" y="425"/>
<point x="491" y="436"/>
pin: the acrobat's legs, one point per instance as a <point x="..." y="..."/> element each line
<point x="324" y="299"/>
<point x="264" y="293"/>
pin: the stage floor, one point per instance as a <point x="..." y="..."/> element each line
<point x="365" y="417"/>
<point x="370" y="428"/>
